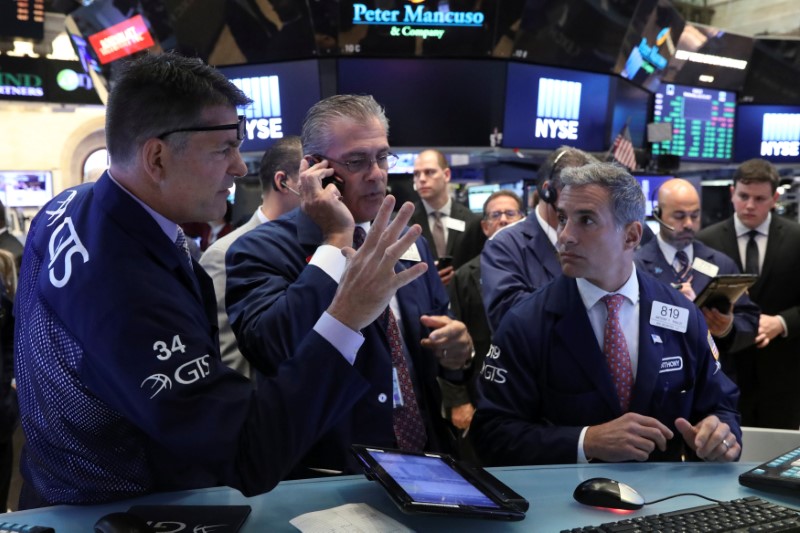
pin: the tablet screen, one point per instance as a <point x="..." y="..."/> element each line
<point x="430" y="480"/>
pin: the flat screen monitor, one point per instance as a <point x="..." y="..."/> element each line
<point x="478" y="194"/>
<point x="702" y="122"/>
<point x="709" y="57"/>
<point x="770" y="132"/>
<point x="431" y="102"/>
<point x="580" y="34"/>
<point x="773" y="72"/>
<point x="650" y="42"/>
<point x="405" y="163"/>
<point x="25" y="188"/>
<point x="547" y="107"/>
<point x="433" y="28"/>
<point x="632" y="106"/>
<point x="650" y="184"/>
<point x="281" y="94"/>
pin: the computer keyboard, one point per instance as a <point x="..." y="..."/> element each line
<point x="782" y="472"/>
<point x="750" y="514"/>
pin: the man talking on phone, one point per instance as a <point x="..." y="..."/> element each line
<point x="272" y="294"/>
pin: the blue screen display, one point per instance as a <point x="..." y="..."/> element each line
<point x="430" y="480"/>
<point x="281" y="94"/>
<point x="770" y="132"/>
<point x="547" y="107"/>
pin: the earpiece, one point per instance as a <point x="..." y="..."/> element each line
<point x="548" y="194"/>
<point x="657" y="216"/>
<point x="285" y="185"/>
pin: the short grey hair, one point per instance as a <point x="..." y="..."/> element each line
<point x="317" y="136"/>
<point x="627" y="198"/>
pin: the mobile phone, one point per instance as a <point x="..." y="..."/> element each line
<point x="444" y="262"/>
<point x="334" y="178"/>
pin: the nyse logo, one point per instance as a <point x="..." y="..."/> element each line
<point x="558" y="109"/>
<point x="780" y="134"/>
<point x="264" y="115"/>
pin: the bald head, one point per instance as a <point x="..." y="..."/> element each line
<point x="679" y="206"/>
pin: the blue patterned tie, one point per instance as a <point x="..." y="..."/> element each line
<point x="615" y="349"/>
<point x="681" y="266"/>
<point x="183" y="246"/>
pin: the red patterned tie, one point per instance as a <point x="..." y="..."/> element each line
<point x="616" y="351"/>
<point x="409" y="429"/>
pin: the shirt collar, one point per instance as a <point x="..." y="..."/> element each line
<point x="548" y="230"/>
<point x="591" y="293"/>
<point x="445" y="210"/>
<point x="167" y="226"/>
<point x="742" y="230"/>
<point x="262" y="218"/>
<point x="669" y="250"/>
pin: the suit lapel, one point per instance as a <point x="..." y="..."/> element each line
<point x="574" y="331"/>
<point x="543" y="250"/>
<point x="651" y="351"/>
<point x="774" y="244"/>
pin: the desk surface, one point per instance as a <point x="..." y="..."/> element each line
<point x="548" y="488"/>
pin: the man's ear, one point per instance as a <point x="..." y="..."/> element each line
<point x="153" y="156"/>
<point x="633" y="235"/>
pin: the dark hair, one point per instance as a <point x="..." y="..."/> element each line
<point x="757" y="171"/>
<point x="559" y="159"/>
<point x="440" y="158"/>
<point x="2" y="215"/>
<point x="158" y="93"/>
<point x="627" y="198"/>
<point x="317" y="135"/>
<point x="503" y="192"/>
<point x="284" y="155"/>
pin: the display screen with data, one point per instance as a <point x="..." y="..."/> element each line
<point x="702" y="122"/>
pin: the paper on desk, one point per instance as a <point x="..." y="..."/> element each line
<point x="348" y="518"/>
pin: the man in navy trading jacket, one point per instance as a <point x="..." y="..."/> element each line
<point x="604" y="363"/>
<point x="122" y="391"/>
<point x="284" y="272"/>
<point x="674" y="256"/>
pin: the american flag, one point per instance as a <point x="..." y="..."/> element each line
<point x="622" y="150"/>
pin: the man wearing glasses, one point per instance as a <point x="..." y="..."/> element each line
<point x="284" y="272"/>
<point x="122" y="391"/>
<point x="502" y="208"/>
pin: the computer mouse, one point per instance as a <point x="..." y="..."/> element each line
<point x="122" y="523"/>
<point x="604" y="492"/>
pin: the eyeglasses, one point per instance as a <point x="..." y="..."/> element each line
<point x="239" y="127"/>
<point x="362" y="164"/>
<point x="509" y="213"/>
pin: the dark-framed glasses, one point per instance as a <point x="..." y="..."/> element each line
<point x="509" y="213"/>
<point x="361" y="164"/>
<point x="239" y="127"/>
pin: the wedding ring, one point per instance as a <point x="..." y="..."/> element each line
<point x="727" y="446"/>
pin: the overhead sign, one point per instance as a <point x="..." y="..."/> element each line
<point x="415" y="20"/>
<point x="264" y="115"/>
<point x="558" y="108"/>
<point x="780" y="135"/>
<point x="120" y="40"/>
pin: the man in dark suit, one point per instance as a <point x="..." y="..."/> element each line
<point x="522" y="257"/>
<point x="450" y="228"/>
<point x="466" y="300"/>
<point x="675" y="257"/>
<point x="122" y="391"/>
<point x="761" y="242"/>
<point x="282" y="272"/>
<point x="8" y="241"/>
<point x="605" y="362"/>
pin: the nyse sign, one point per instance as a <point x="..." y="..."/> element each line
<point x="558" y="109"/>
<point x="264" y="115"/>
<point x="780" y="135"/>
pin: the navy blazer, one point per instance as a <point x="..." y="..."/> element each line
<point x="767" y="376"/>
<point x="745" y="312"/>
<point x="516" y="261"/>
<point x="119" y="369"/>
<point x="546" y="377"/>
<point x="461" y="245"/>
<point x="273" y="299"/>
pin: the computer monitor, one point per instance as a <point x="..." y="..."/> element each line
<point x="282" y="93"/>
<point x="547" y="107"/>
<point x="431" y="102"/>
<point x="650" y="42"/>
<point x="478" y="194"/>
<point x="26" y="188"/>
<point x="773" y="72"/>
<point x="702" y="122"/>
<point x="650" y="184"/>
<point x="770" y="132"/>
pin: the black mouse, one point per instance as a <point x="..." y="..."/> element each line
<point x="122" y="523"/>
<point x="604" y="492"/>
